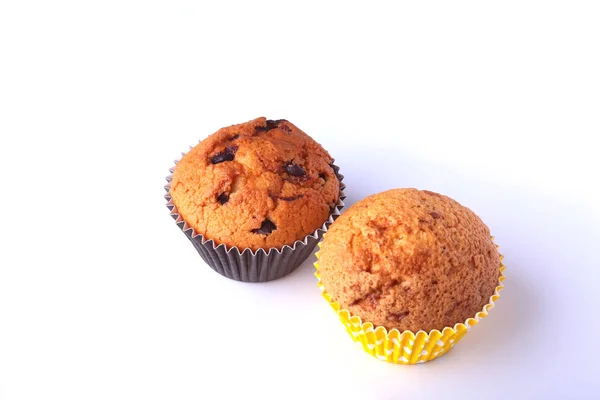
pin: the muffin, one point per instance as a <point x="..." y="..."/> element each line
<point x="407" y="261"/>
<point x="264" y="190"/>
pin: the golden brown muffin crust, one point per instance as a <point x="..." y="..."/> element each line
<point x="259" y="184"/>
<point x="410" y="260"/>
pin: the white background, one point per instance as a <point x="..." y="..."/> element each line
<point x="496" y="104"/>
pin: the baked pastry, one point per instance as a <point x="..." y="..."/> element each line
<point x="410" y="260"/>
<point x="260" y="185"/>
<point x="255" y="185"/>
<point x="408" y="272"/>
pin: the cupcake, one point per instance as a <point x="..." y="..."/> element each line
<point x="409" y="272"/>
<point x="255" y="198"/>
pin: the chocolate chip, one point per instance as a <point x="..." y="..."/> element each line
<point x="294" y="169"/>
<point x="296" y="179"/>
<point x="398" y="316"/>
<point x="322" y="176"/>
<point x="435" y="215"/>
<point x="273" y="124"/>
<point x="235" y="137"/>
<point x="221" y="157"/>
<point x="223" y="198"/>
<point x="226" y="155"/>
<point x="265" y="228"/>
<point x="283" y="198"/>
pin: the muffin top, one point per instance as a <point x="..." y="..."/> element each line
<point x="411" y="260"/>
<point x="259" y="184"/>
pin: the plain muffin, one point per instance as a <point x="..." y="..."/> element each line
<point x="410" y="260"/>
<point x="260" y="184"/>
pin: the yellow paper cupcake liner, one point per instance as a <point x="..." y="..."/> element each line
<point x="407" y="347"/>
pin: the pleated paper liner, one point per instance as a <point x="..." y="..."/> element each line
<point x="246" y="265"/>
<point x="407" y="347"/>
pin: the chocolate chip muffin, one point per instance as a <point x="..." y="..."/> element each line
<point x="257" y="185"/>
<point x="410" y="260"/>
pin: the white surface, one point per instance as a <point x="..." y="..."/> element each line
<point x="102" y="297"/>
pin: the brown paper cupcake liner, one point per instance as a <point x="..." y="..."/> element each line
<point x="246" y="265"/>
